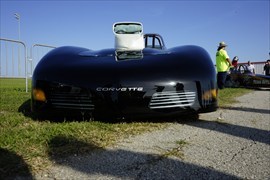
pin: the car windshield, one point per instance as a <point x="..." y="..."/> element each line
<point x="128" y="28"/>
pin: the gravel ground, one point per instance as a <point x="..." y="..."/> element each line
<point x="231" y="143"/>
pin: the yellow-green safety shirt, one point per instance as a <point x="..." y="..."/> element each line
<point x="221" y="62"/>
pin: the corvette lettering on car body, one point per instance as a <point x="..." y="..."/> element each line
<point x="120" y="89"/>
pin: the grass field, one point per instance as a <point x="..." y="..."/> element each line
<point x="27" y="145"/>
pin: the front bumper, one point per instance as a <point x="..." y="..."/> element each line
<point x="152" y="101"/>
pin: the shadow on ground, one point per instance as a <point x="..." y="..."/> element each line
<point x="12" y="166"/>
<point x="92" y="160"/>
<point x="249" y="133"/>
<point x="125" y="164"/>
<point x="246" y="109"/>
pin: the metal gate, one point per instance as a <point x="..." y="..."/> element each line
<point x="14" y="61"/>
<point x="13" y="58"/>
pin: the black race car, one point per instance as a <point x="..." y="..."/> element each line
<point x="139" y="77"/>
<point x="242" y="77"/>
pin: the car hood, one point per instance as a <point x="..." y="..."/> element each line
<point x="80" y="65"/>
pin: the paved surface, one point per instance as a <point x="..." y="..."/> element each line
<point x="231" y="143"/>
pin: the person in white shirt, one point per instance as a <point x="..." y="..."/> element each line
<point x="251" y="67"/>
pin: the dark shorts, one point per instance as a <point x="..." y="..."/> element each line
<point x="221" y="79"/>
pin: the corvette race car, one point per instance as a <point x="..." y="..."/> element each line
<point x="139" y="77"/>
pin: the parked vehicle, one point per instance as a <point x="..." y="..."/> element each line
<point x="242" y="77"/>
<point x="139" y="77"/>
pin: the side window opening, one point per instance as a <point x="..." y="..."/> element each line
<point x="157" y="43"/>
<point x="148" y="42"/>
<point x="153" y="41"/>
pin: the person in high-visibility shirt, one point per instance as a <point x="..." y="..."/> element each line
<point x="223" y="64"/>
